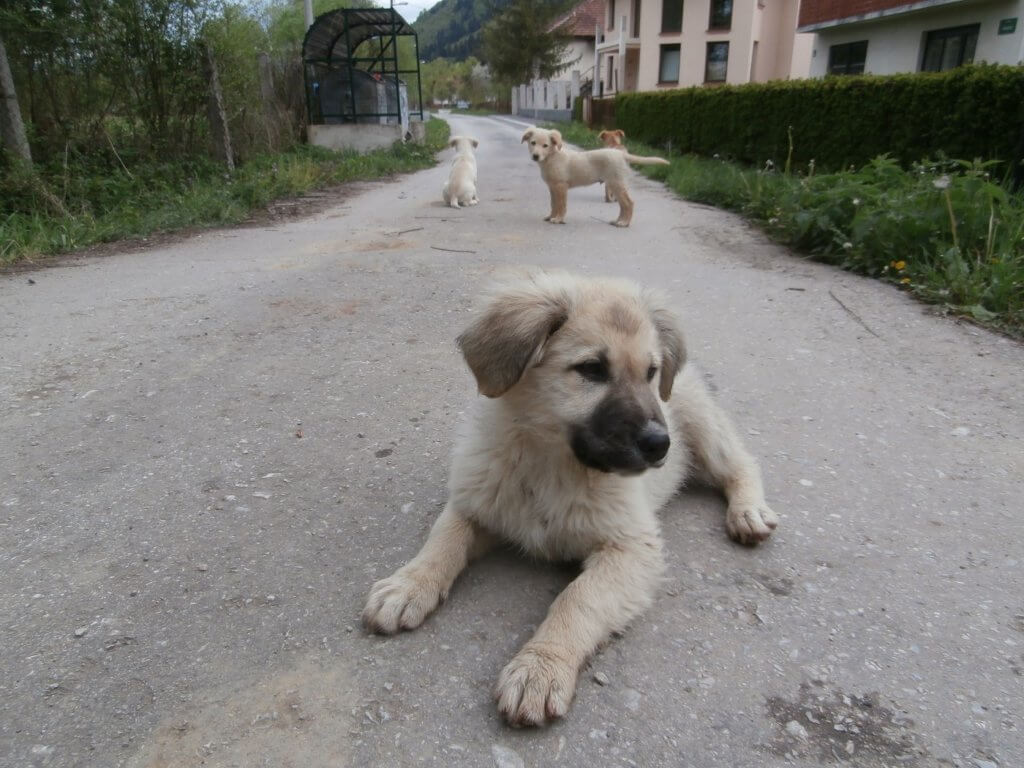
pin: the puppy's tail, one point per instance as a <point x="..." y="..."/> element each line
<point x="640" y="160"/>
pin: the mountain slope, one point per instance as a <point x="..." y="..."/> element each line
<point x="453" y="28"/>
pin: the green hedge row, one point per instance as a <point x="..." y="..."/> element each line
<point x="970" y="112"/>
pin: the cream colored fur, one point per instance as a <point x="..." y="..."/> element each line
<point x="515" y="477"/>
<point x="563" y="168"/>
<point x="461" y="185"/>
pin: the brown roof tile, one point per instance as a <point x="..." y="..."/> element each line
<point x="582" y="19"/>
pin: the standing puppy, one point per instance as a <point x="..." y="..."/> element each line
<point x="592" y="422"/>
<point x="612" y="140"/>
<point x="563" y="168"/>
<point x="461" y="184"/>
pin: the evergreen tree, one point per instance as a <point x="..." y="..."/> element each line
<point x="520" y="43"/>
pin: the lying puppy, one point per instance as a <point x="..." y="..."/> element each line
<point x="569" y="458"/>
<point x="563" y="168"/>
<point x="461" y="184"/>
<point x="612" y="140"/>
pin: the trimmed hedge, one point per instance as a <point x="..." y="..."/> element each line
<point x="970" y="112"/>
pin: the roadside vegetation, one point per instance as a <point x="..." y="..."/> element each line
<point x="58" y="208"/>
<point x="950" y="232"/>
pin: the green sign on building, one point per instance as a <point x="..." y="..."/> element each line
<point x="1007" y="26"/>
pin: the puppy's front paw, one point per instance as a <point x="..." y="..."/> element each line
<point x="401" y="601"/>
<point x="750" y="523"/>
<point x="536" y="686"/>
<point x="619" y="223"/>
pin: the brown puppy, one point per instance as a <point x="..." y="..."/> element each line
<point x="612" y="140"/>
<point x="563" y="168"/>
<point x="591" y="421"/>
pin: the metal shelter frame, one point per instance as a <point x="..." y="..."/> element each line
<point x="331" y="43"/>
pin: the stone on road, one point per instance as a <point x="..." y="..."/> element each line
<point x="213" y="448"/>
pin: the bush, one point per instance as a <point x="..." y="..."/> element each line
<point x="969" y="112"/>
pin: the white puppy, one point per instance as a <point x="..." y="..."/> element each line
<point x="461" y="184"/>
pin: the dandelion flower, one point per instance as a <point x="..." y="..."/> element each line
<point x="905" y="281"/>
<point x="847" y="246"/>
<point x="901" y="265"/>
<point x="856" y="201"/>
<point x="942" y="182"/>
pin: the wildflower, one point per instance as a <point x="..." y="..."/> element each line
<point x="715" y="155"/>
<point x="773" y="220"/>
<point x="905" y="281"/>
<point x="856" y="201"/>
<point x="847" y="246"/>
<point x="942" y="182"/>
<point x="768" y="165"/>
<point x="900" y="265"/>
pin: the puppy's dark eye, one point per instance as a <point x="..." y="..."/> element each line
<point x="545" y="146"/>
<point x="652" y="372"/>
<point x="533" y="143"/>
<point x="593" y="370"/>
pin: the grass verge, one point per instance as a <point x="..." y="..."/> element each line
<point x="96" y="199"/>
<point x="946" y="231"/>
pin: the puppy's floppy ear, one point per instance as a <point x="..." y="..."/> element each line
<point x="477" y="143"/>
<point x="621" y="134"/>
<point x="670" y="339"/>
<point x="511" y="330"/>
<point x="528" y="134"/>
<point x="556" y="139"/>
<point x="602" y="134"/>
<point x="453" y="142"/>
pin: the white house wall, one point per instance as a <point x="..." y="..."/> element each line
<point x="896" y="43"/>
<point x="579" y="56"/>
<point x="771" y="24"/>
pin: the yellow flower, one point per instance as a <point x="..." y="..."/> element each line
<point x="905" y="281"/>
<point x="900" y="264"/>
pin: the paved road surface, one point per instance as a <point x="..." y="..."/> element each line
<point x="212" y="449"/>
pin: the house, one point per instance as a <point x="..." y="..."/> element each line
<point x="644" y="45"/>
<point x="579" y="25"/>
<point x="888" y="36"/>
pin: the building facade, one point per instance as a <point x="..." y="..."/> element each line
<point x="889" y="36"/>
<point x="645" y="45"/>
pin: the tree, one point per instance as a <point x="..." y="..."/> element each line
<point x="12" y="130"/>
<point x="520" y="43"/>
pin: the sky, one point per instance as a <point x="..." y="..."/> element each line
<point x="411" y="9"/>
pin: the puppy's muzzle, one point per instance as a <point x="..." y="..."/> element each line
<point x="536" y="156"/>
<point x="653" y="442"/>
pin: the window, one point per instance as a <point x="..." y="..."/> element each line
<point x="721" y="14"/>
<point x="671" y="17"/>
<point x="717" y="63"/>
<point x="636" y="19"/>
<point x="848" y="58"/>
<point x="611" y="74"/>
<point x="948" y="48"/>
<point x="611" y="14"/>
<point x="668" y="64"/>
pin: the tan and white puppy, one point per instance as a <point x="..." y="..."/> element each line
<point x="461" y="185"/>
<point x="591" y="422"/>
<point x="612" y="140"/>
<point x="563" y="168"/>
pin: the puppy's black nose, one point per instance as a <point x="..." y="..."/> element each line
<point x="653" y="442"/>
<point x="536" y="157"/>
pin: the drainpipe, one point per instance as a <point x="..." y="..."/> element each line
<point x="309" y="12"/>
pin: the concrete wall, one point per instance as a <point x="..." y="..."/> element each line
<point x="896" y="43"/>
<point x="362" y="137"/>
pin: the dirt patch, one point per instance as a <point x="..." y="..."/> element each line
<point x="299" y="718"/>
<point x="835" y="728"/>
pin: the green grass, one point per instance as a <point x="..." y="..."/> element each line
<point x="945" y="231"/>
<point x="97" y="200"/>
